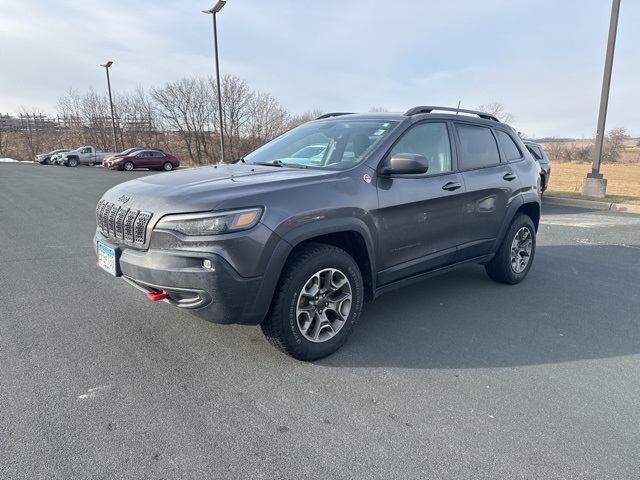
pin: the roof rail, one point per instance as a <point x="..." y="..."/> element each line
<point x="428" y="109"/>
<point x="334" y="114"/>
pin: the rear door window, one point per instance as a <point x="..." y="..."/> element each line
<point x="509" y="147"/>
<point x="478" y="147"/>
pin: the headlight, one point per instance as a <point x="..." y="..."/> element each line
<point x="211" y="223"/>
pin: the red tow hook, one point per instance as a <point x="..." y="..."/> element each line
<point x="156" y="296"/>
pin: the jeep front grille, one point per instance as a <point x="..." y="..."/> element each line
<point x="122" y="223"/>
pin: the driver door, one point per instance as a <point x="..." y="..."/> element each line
<point x="419" y="216"/>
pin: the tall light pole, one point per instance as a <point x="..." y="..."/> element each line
<point x="113" y="121"/>
<point x="213" y="11"/>
<point x="595" y="184"/>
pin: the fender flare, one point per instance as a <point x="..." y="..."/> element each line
<point x="516" y="204"/>
<point x="280" y="254"/>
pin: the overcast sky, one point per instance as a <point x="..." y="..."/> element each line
<point x="543" y="59"/>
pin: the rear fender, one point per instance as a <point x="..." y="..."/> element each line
<point x="519" y="204"/>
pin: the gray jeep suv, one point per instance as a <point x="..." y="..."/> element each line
<point x="297" y="244"/>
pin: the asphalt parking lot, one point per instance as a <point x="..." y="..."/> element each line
<point x="455" y="377"/>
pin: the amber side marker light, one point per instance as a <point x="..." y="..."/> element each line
<point x="246" y="219"/>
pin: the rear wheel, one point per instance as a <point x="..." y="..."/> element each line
<point x="128" y="166"/>
<point x="316" y="304"/>
<point x="168" y="166"/>
<point x="515" y="255"/>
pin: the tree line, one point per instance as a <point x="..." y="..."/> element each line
<point x="564" y="150"/>
<point x="180" y="117"/>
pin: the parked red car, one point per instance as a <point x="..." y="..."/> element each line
<point x="147" y="158"/>
<point x="105" y="162"/>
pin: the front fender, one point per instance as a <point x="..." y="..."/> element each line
<point x="324" y="231"/>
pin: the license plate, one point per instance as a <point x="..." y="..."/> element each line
<point x="107" y="259"/>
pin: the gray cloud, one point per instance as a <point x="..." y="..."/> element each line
<point x="542" y="60"/>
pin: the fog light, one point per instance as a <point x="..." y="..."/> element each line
<point x="207" y="264"/>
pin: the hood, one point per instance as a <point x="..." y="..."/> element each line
<point x="204" y="188"/>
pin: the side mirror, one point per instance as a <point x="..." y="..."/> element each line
<point x="406" y="164"/>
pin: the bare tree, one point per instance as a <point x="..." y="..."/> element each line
<point x="266" y="120"/>
<point x="138" y="120"/>
<point x="86" y="119"/>
<point x="614" y="144"/>
<point x="96" y="116"/>
<point x="69" y="109"/>
<point x="236" y="100"/>
<point x="554" y="149"/>
<point x="185" y="106"/>
<point x="301" y="118"/>
<point x="36" y="131"/>
<point x="497" y="110"/>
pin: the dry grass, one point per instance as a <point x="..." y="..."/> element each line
<point x="623" y="179"/>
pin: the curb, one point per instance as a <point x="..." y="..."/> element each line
<point x="592" y="204"/>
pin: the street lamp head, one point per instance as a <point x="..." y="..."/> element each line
<point x="108" y="64"/>
<point x="216" y="8"/>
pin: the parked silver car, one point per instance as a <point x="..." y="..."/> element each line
<point x="45" y="158"/>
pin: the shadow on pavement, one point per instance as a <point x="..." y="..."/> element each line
<point x="578" y="303"/>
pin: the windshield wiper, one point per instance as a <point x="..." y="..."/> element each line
<point x="280" y="163"/>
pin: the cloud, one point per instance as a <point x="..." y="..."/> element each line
<point x="543" y="61"/>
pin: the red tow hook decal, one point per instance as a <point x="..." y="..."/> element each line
<point x="156" y="296"/>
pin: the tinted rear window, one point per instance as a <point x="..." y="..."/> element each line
<point x="511" y="150"/>
<point x="478" y="147"/>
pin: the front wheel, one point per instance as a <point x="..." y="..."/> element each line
<point x="317" y="302"/>
<point x="168" y="166"/>
<point x="128" y="166"/>
<point x="72" y="162"/>
<point x="514" y="257"/>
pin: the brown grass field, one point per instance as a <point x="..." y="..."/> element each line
<point x="623" y="178"/>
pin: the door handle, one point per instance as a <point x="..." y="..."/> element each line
<point x="451" y="186"/>
<point x="509" y="176"/>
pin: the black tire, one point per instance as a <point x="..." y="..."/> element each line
<point x="72" y="162"/>
<point x="168" y="166"/>
<point x="47" y="161"/>
<point x="514" y="258"/>
<point x="334" y="308"/>
<point x="128" y="166"/>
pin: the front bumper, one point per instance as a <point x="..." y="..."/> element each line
<point x="216" y="293"/>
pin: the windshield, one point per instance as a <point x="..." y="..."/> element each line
<point x="335" y="144"/>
